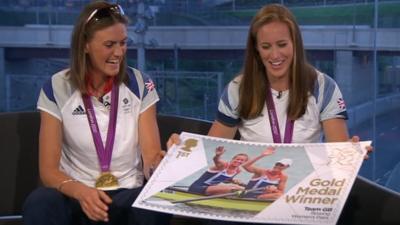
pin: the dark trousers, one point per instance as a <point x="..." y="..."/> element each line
<point x="47" y="206"/>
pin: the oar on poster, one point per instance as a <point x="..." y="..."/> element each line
<point x="238" y="193"/>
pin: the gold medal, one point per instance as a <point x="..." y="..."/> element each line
<point x="106" y="181"/>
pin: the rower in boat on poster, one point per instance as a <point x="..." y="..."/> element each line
<point x="272" y="180"/>
<point x="219" y="178"/>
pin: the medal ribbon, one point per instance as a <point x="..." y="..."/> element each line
<point x="273" y="119"/>
<point x="103" y="153"/>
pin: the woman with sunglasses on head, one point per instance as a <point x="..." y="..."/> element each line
<point x="98" y="134"/>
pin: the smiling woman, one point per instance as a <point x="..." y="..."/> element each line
<point x="279" y="97"/>
<point x="105" y="51"/>
<point x="98" y="133"/>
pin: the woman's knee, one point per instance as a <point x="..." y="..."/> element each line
<point x="43" y="199"/>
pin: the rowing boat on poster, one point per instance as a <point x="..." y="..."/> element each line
<point x="234" y="203"/>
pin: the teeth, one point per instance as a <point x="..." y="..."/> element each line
<point x="113" y="61"/>
<point x="276" y="63"/>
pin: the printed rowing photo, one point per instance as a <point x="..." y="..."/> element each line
<point x="232" y="180"/>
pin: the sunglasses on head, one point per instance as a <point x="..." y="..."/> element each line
<point x="101" y="13"/>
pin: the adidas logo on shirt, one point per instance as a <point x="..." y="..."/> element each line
<point x="79" y="111"/>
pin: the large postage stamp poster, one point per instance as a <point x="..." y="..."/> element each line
<point x="240" y="181"/>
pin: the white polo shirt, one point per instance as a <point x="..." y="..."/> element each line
<point x="326" y="102"/>
<point x="79" y="158"/>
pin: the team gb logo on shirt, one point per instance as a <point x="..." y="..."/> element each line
<point x="341" y="103"/>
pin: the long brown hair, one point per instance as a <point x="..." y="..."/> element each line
<point x="82" y="33"/>
<point x="252" y="91"/>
